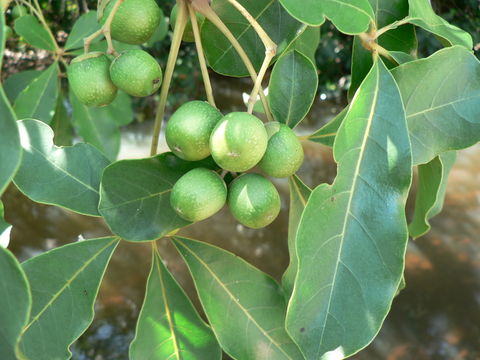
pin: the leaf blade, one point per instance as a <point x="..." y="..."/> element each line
<point x="84" y="26"/>
<point x="34" y="33"/>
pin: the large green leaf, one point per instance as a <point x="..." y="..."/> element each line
<point x="135" y="196"/>
<point x="245" y="307"/>
<point x="121" y="109"/>
<point x="293" y="74"/>
<point x="97" y="126"/>
<point x="306" y="41"/>
<point x="67" y="177"/>
<point x="441" y="96"/>
<point x="39" y="99"/>
<point x="10" y="150"/>
<point x="299" y="194"/>
<point x="34" y="33"/>
<point x="17" y="82"/>
<point x="84" y="26"/>
<point x="349" y="16"/>
<point x="168" y="326"/>
<point x="15" y="304"/>
<point x="64" y="284"/>
<point x="326" y="134"/>
<point x="432" y="184"/>
<point x="422" y="14"/>
<point x="352" y="236"/>
<point x="221" y="55"/>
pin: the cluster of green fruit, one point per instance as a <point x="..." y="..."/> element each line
<point x="95" y="79"/>
<point x="237" y="142"/>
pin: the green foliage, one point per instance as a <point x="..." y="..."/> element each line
<point x="83" y="27"/>
<point x="34" y="33"/>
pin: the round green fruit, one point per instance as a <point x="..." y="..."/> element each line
<point x="135" y="20"/>
<point x="238" y="141"/>
<point x="89" y="78"/>
<point x="188" y="33"/>
<point x="284" y="154"/>
<point x="198" y="194"/>
<point x="18" y="11"/>
<point x="136" y="72"/>
<point x="253" y="200"/>
<point x="189" y="128"/>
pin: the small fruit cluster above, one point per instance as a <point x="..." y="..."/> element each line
<point x="237" y="142"/>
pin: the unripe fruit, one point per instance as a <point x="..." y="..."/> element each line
<point x="189" y="128"/>
<point x="284" y="154"/>
<point x="238" y="142"/>
<point x="135" y="20"/>
<point x="89" y="78"/>
<point x="188" y="33"/>
<point x="198" y="194"/>
<point x="253" y="200"/>
<point x="136" y="72"/>
<point x="18" y="11"/>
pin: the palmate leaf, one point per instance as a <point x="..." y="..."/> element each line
<point x="352" y="235"/>
<point x="34" y="33"/>
<point x="15" y="303"/>
<point x="221" y="55"/>
<point x="432" y="184"/>
<point x="85" y="25"/>
<point x="441" y="95"/>
<point x="245" y="307"/>
<point x="293" y="74"/>
<point x="68" y="177"/>
<point x="64" y="284"/>
<point x="168" y="326"/>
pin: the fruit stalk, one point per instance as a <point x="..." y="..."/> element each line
<point x="201" y="57"/>
<point x="203" y="7"/>
<point x="172" y="59"/>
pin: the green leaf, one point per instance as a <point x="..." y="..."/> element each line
<point x="17" y="82"/>
<point x="84" y="26"/>
<point x="221" y="55"/>
<point x="293" y="74"/>
<point x="34" y="33"/>
<point x="306" y="41"/>
<point x="68" y="177"/>
<point x="401" y="57"/>
<point x="352" y="236"/>
<point x="39" y="99"/>
<point x="97" y="126"/>
<point x="135" y="196"/>
<point x="432" y="184"/>
<point x="326" y="134"/>
<point x="61" y="126"/>
<point x="121" y="109"/>
<point x="441" y="95"/>
<point x="349" y="16"/>
<point x="168" y="326"/>
<point x="64" y="284"/>
<point x="15" y="304"/>
<point x="10" y="150"/>
<point x="245" y="307"/>
<point x="423" y="15"/>
<point x="299" y="194"/>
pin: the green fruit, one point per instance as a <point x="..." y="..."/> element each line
<point x="18" y="11"/>
<point x="135" y="20"/>
<point x="238" y="141"/>
<point x="284" y="154"/>
<point x="89" y="78"/>
<point x="253" y="200"/>
<point x="136" y="72"/>
<point x="198" y="194"/>
<point x="188" y="33"/>
<point x="189" y="128"/>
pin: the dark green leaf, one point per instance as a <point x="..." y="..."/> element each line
<point x="432" y="184"/>
<point x="245" y="307"/>
<point x="293" y="74"/>
<point x="352" y="235"/>
<point x="64" y="284"/>
<point x="39" y="99"/>
<point x="67" y="177"/>
<point x="34" y="33"/>
<point x="168" y="326"/>
<point x="306" y="41"/>
<point x="423" y="15"/>
<point x="84" y="26"/>
<point x="61" y="126"/>
<point x="441" y="96"/>
<point x="17" y="82"/>
<point x="299" y="194"/>
<point x="326" y="134"/>
<point x="222" y="57"/>
<point x="349" y="16"/>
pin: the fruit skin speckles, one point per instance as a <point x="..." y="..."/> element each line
<point x="89" y="79"/>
